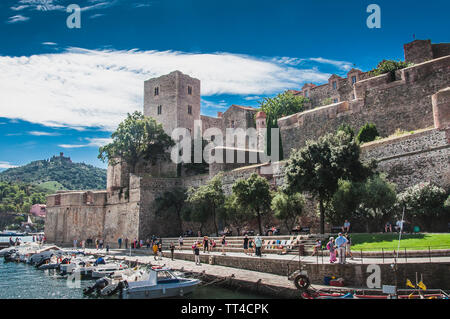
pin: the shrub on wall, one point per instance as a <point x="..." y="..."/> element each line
<point x="387" y="66"/>
<point x="424" y="201"/>
<point x="367" y="133"/>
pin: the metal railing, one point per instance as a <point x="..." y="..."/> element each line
<point x="389" y="255"/>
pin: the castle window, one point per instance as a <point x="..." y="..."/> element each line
<point x="232" y="124"/>
<point x="213" y="137"/>
<point x="159" y="109"/>
<point x="189" y="109"/>
<point x="306" y="94"/>
<point x="189" y="90"/>
<point x="58" y="200"/>
<point x="354" y="79"/>
<point x="156" y="90"/>
<point x="334" y="85"/>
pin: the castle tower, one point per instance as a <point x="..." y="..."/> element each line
<point x="261" y="124"/>
<point x="173" y="100"/>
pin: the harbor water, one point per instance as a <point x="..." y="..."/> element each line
<point x="22" y="281"/>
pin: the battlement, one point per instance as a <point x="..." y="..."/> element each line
<point x="346" y="89"/>
<point x="392" y="101"/>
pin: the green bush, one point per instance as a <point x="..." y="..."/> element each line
<point x="367" y="133"/>
<point x="387" y="66"/>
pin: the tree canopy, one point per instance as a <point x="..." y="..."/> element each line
<point x="424" y="201"/>
<point x="253" y="195"/>
<point x="207" y="200"/>
<point x="288" y="208"/>
<point x="137" y="138"/>
<point x="317" y="168"/>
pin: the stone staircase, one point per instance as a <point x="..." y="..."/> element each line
<point x="271" y="244"/>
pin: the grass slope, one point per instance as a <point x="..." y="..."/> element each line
<point x="389" y="241"/>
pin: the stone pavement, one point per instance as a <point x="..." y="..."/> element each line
<point x="295" y="258"/>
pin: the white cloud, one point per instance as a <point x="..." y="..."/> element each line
<point x="17" y="18"/>
<point x="19" y="8"/>
<point x="343" y="65"/>
<point x="98" y="15"/>
<point x="42" y="5"/>
<point x="6" y="165"/>
<point x="37" y="133"/>
<point x="252" y="98"/>
<point x="90" y="88"/>
<point x="49" y="43"/>
<point x="93" y="142"/>
<point x="72" y="145"/>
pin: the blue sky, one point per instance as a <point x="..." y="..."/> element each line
<point x="64" y="90"/>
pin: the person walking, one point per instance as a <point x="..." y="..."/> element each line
<point x="205" y="244"/>
<point x="96" y="243"/>
<point x="75" y="244"/>
<point x="155" y="250"/>
<point x="196" y="251"/>
<point x="251" y="246"/>
<point x="317" y="246"/>
<point x="258" y="246"/>
<point x="224" y="242"/>
<point x="341" y="243"/>
<point x="172" y="248"/>
<point x="126" y="242"/>
<point x="119" y="241"/>
<point x="246" y="245"/>
<point x="347" y="246"/>
<point x="332" y="249"/>
<point x="180" y="242"/>
<point x="160" y="249"/>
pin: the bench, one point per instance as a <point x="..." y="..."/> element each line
<point x="305" y="230"/>
<point x="336" y="229"/>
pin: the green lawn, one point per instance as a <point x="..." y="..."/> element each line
<point x="389" y="241"/>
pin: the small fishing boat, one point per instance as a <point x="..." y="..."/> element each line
<point x="159" y="282"/>
<point x="107" y="270"/>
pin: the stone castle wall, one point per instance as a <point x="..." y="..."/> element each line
<point x="403" y="101"/>
<point x="401" y="104"/>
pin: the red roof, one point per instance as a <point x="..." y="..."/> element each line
<point x="260" y="114"/>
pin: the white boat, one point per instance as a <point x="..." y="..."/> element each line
<point x="159" y="282"/>
<point x="107" y="270"/>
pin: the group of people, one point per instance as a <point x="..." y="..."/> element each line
<point x="251" y="246"/>
<point x="339" y="246"/>
<point x="399" y="226"/>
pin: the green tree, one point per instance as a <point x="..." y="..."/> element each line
<point x="288" y="208"/>
<point x="174" y="200"/>
<point x="348" y="129"/>
<point x="253" y="196"/>
<point x="378" y="200"/>
<point x="234" y="214"/>
<point x="283" y="104"/>
<point x="207" y="199"/>
<point x="317" y="168"/>
<point x="367" y="133"/>
<point x="138" y="138"/>
<point x="424" y="201"/>
<point x="387" y="66"/>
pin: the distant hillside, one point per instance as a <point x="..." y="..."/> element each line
<point x="57" y="173"/>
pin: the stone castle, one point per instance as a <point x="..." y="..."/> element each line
<point x="414" y="100"/>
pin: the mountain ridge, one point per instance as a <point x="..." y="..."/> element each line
<point x="57" y="173"/>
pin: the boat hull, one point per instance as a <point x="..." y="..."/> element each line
<point x="161" y="290"/>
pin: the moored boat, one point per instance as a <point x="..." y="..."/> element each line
<point x="159" y="282"/>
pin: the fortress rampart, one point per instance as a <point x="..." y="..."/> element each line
<point x="415" y="99"/>
<point x="390" y="102"/>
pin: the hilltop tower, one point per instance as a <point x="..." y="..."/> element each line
<point x="173" y="100"/>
